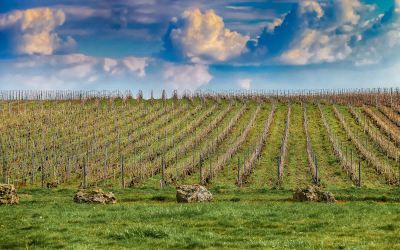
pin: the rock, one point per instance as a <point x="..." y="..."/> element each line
<point x="95" y="196"/>
<point x="313" y="193"/>
<point x="192" y="193"/>
<point x="8" y="194"/>
<point x="52" y="184"/>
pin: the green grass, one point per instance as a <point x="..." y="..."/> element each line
<point x="246" y="218"/>
<point x="255" y="216"/>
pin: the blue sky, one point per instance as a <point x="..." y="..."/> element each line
<point x="191" y="45"/>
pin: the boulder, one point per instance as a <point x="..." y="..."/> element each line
<point x="8" y="194"/>
<point x="95" y="196"/>
<point x="192" y="193"/>
<point x="313" y="193"/>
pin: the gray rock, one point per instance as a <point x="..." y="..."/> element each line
<point x="313" y="193"/>
<point x="193" y="193"/>
<point x="95" y="196"/>
<point x="8" y="194"/>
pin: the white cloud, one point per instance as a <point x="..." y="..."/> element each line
<point x="71" y="70"/>
<point x="186" y="77"/>
<point x="136" y="65"/>
<point x="346" y="11"/>
<point x="306" y="7"/>
<point x="325" y="39"/>
<point x="82" y="71"/>
<point x="110" y="65"/>
<point x="81" y="63"/>
<point x="33" y="31"/>
<point x="20" y="81"/>
<point x="380" y="39"/>
<point x="203" y="37"/>
<point x="316" y="47"/>
<point x="245" y="84"/>
<point x="275" y="23"/>
<point x="315" y="32"/>
<point x="375" y="49"/>
<point x="82" y="12"/>
<point x="55" y="60"/>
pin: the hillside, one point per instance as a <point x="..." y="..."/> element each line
<point x="247" y="141"/>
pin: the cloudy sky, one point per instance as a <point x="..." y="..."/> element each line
<point x="190" y="45"/>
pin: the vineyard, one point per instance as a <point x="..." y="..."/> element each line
<point x="282" y="139"/>
<point x="251" y="150"/>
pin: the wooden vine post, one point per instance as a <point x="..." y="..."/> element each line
<point x="201" y="169"/>
<point x="84" y="172"/>
<point x="279" y="172"/>
<point x="211" y="173"/>
<point x="122" y="172"/>
<point x="316" y="171"/>
<point x="359" y="172"/>
<point x="42" y="171"/>
<point x="162" y="182"/>
<point x="239" y="181"/>
<point x="176" y="165"/>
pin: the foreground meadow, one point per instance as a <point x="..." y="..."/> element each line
<point x="147" y="218"/>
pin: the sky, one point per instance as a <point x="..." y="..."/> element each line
<point x="199" y="45"/>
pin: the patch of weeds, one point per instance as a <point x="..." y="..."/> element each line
<point x="129" y="199"/>
<point x="193" y="243"/>
<point x="61" y="230"/>
<point x="322" y="184"/>
<point x="9" y="245"/>
<point x="159" y="198"/>
<point x="98" y="221"/>
<point x="30" y="227"/>
<point x="235" y="199"/>
<point x="36" y="215"/>
<point x="379" y="199"/>
<point x="263" y="191"/>
<point x="225" y="223"/>
<point x="132" y="233"/>
<point x="218" y="189"/>
<point x="337" y="173"/>
<point x="37" y="241"/>
<point x="314" y="227"/>
<point x="277" y="186"/>
<point x="388" y="227"/>
<point x="332" y="161"/>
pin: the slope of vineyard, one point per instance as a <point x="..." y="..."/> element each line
<point x="221" y="140"/>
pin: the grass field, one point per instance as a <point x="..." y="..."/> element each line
<point x="130" y="147"/>
<point x="248" y="218"/>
